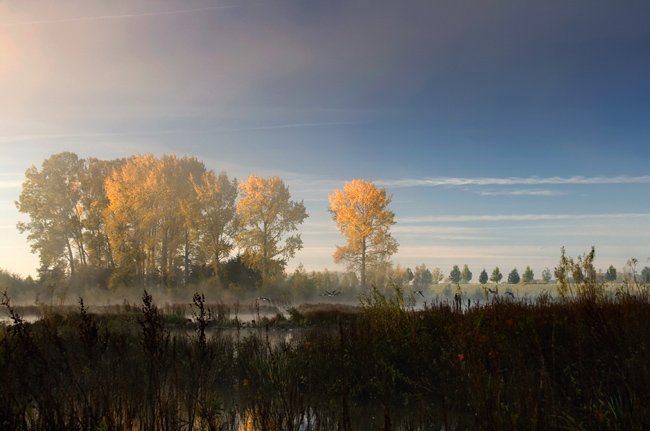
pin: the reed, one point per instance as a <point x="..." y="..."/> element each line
<point x="576" y="363"/>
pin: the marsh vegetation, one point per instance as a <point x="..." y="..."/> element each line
<point x="376" y="347"/>
<point x="577" y="362"/>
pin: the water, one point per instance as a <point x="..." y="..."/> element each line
<point x="28" y="318"/>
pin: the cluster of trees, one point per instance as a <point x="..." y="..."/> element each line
<point x="583" y="269"/>
<point x="425" y="277"/>
<point x="154" y="220"/>
<point x="169" y="221"/>
<point x="464" y="276"/>
<point x="629" y="273"/>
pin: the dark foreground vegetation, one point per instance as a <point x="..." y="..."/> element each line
<point x="576" y="363"/>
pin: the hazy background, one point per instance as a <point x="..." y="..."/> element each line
<point x="504" y="130"/>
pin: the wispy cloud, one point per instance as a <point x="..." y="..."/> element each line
<point x="327" y="185"/>
<point x="526" y="192"/>
<point x="473" y="252"/>
<point x="120" y="16"/>
<point x="435" y="230"/>
<point x="293" y="126"/>
<point x="511" y="181"/>
<point x="518" y="217"/>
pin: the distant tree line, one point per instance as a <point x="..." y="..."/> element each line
<point x="170" y="221"/>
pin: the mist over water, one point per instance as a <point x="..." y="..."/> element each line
<point x="179" y="177"/>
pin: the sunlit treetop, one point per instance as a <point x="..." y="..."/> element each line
<point x="361" y="215"/>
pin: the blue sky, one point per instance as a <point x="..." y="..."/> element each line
<point x="503" y="130"/>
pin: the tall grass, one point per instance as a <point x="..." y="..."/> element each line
<point x="576" y="363"/>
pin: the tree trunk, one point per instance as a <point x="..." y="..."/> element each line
<point x="163" y="260"/>
<point x="264" y="257"/>
<point x="70" y="258"/>
<point x="82" y="252"/>
<point x="216" y="266"/>
<point x="109" y="252"/>
<point x="187" y="258"/>
<point x="363" y="264"/>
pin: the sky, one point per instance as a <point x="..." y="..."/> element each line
<point x="504" y="130"/>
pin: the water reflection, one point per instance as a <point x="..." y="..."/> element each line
<point x="273" y="336"/>
<point x="28" y="318"/>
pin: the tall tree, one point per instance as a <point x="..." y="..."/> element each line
<point x="466" y="275"/>
<point x="483" y="278"/>
<point x="423" y="278"/>
<point x="513" y="277"/>
<point x="131" y="219"/>
<point x="645" y="275"/>
<point x="610" y="275"/>
<point x="51" y="198"/>
<point x="455" y="275"/>
<point x="267" y="218"/>
<point x="178" y="215"/>
<point x="437" y="276"/>
<point x="496" y="275"/>
<point x="216" y="197"/>
<point x="94" y="202"/>
<point x="547" y="275"/>
<point x="528" y="275"/>
<point x="361" y="214"/>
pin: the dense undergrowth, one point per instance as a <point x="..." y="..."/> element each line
<point x="576" y="363"/>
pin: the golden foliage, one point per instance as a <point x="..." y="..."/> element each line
<point x="361" y="215"/>
<point x="266" y="215"/>
<point x="151" y="214"/>
<point x="216" y="196"/>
